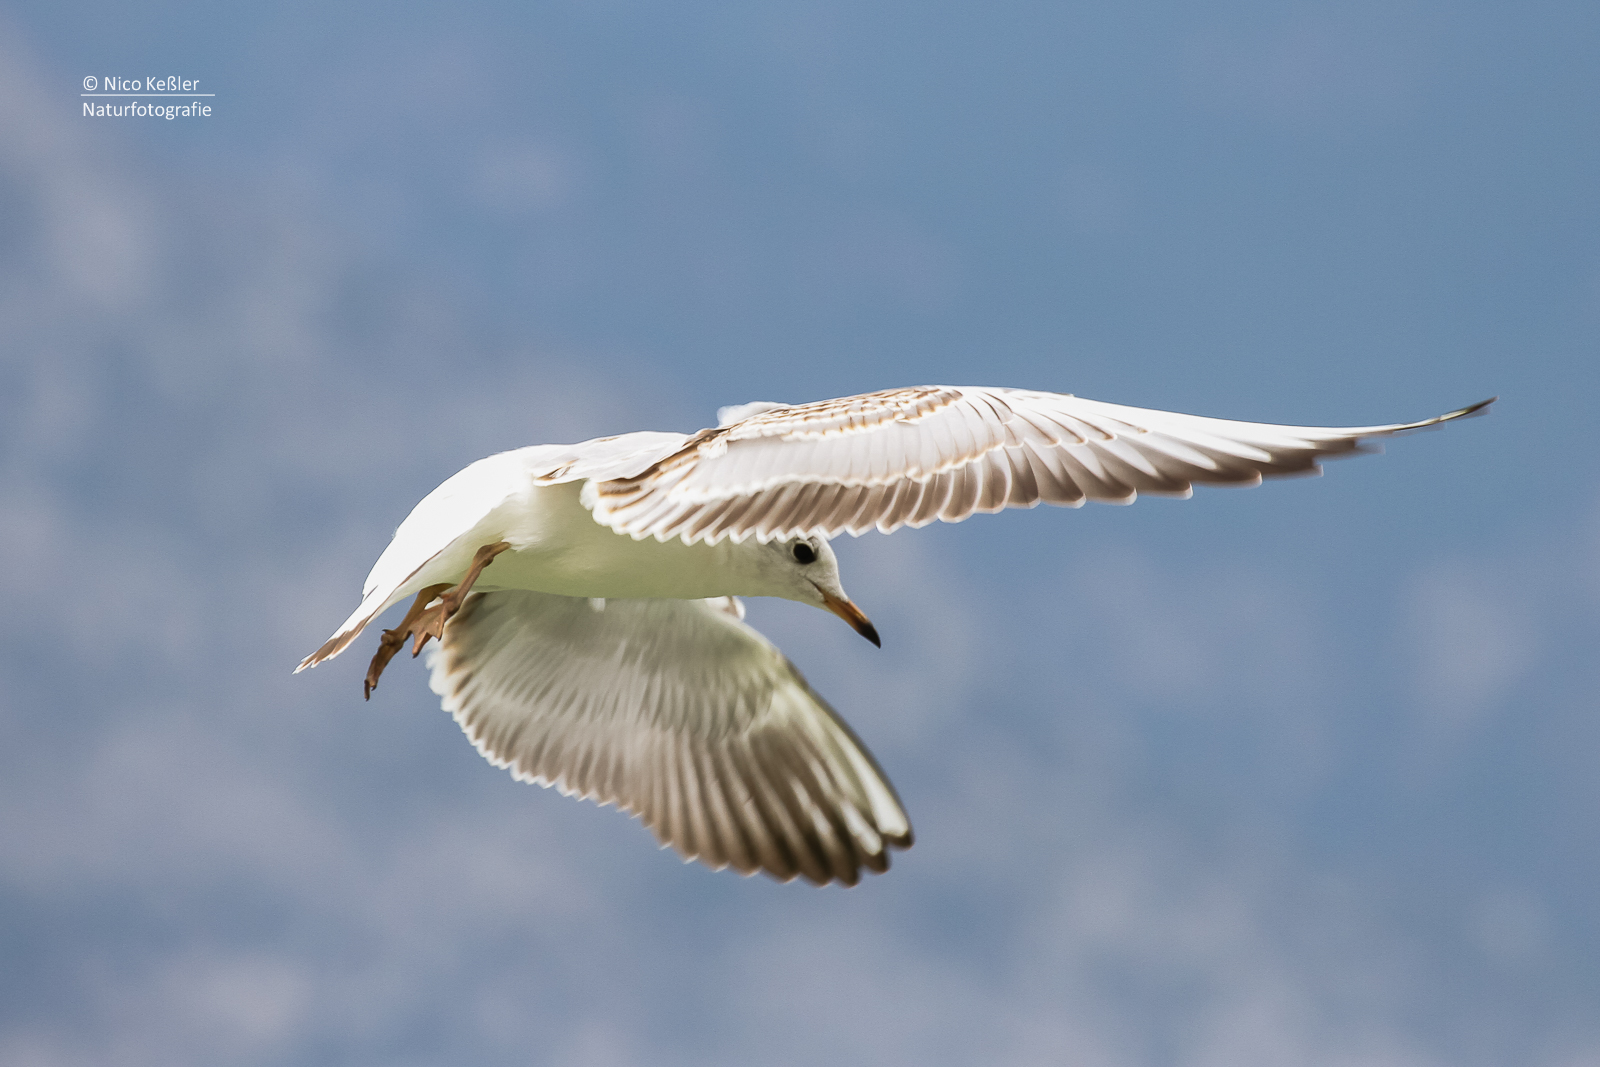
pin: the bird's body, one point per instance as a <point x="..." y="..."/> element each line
<point x="593" y="656"/>
<point x="557" y="547"/>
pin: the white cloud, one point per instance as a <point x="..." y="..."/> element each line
<point x="1312" y="71"/>
<point x="1474" y="635"/>
<point x="1510" y="925"/>
<point x="101" y="245"/>
<point x="523" y="176"/>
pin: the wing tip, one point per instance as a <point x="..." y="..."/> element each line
<point x="1480" y="408"/>
<point x="1471" y="411"/>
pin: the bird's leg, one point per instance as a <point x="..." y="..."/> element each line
<point x="430" y="623"/>
<point x="425" y="621"/>
<point x="392" y="640"/>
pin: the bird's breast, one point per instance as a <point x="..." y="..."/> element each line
<point x="557" y="547"/>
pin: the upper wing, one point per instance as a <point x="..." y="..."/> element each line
<point x="678" y="712"/>
<point x="910" y="456"/>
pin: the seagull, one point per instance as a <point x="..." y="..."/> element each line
<point x="585" y="597"/>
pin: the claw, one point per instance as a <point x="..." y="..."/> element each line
<point x="395" y="639"/>
<point x="427" y="621"/>
<point x="388" y="645"/>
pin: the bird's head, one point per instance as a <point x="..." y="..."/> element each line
<point x="806" y="569"/>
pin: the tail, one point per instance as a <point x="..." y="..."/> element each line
<point x="342" y="637"/>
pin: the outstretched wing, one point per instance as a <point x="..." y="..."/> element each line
<point x="678" y="712"/>
<point x="905" y="457"/>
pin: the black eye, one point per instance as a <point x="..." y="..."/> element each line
<point x="804" y="553"/>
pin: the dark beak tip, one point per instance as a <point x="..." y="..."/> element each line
<point x="852" y="615"/>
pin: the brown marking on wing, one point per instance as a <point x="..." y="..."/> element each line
<point x="851" y="414"/>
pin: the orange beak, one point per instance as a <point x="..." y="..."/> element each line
<point x="852" y="615"/>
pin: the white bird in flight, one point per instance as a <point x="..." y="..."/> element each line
<point x="584" y="596"/>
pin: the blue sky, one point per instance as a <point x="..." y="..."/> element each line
<point x="1298" y="775"/>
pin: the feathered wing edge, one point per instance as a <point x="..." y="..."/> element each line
<point x="909" y="457"/>
<point x="676" y="712"/>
